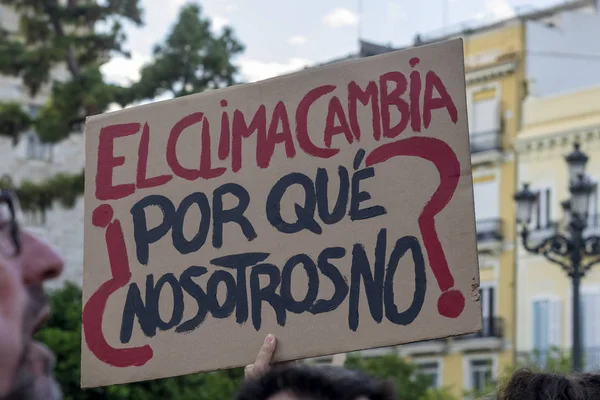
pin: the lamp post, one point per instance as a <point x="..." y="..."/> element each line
<point x="566" y="247"/>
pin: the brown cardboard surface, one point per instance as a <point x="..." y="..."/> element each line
<point x="391" y="260"/>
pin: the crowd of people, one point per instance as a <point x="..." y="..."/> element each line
<point x="26" y="366"/>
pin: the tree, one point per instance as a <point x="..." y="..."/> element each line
<point x="191" y="59"/>
<point x="53" y="33"/>
<point x="409" y="383"/>
<point x="62" y="333"/>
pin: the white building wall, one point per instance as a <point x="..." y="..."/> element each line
<point x="30" y="160"/>
<point x="563" y="52"/>
<point x="62" y="227"/>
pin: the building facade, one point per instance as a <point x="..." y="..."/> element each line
<point x="506" y="63"/>
<point x="29" y="159"/>
<point x="551" y="126"/>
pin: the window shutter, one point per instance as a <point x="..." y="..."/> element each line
<point x="543" y="217"/>
<point x="555" y="324"/>
<point x="590" y="307"/>
<point x="486" y="116"/>
<point x="486" y="196"/>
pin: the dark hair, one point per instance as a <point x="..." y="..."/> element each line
<point x="313" y="382"/>
<point x="528" y="385"/>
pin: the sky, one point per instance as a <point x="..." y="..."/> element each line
<point x="282" y="36"/>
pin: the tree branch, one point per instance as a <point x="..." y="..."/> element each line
<point x="51" y="7"/>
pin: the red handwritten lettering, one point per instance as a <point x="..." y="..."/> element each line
<point x="444" y="101"/>
<point x="242" y="130"/>
<point x="142" y="181"/>
<point x="266" y="145"/>
<point x="452" y="302"/>
<point x="302" y="123"/>
<point x="93" y="310"/>
<point x="107" y="162"/>
<point x="172" y="160"/>
<point x="335" y="111"/>
<point x="393" y="99"/>
<point x="355" y="94"/>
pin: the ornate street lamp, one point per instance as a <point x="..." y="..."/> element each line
<point x="575" y="253"/>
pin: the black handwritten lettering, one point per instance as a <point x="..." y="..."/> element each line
<point x="235" y="214"/>
<point x="339" y="283"/>
<point x="312" y="274"/>
<point x="135" y="307"/>
<point x="305" y="214"/>
<point x="240" y="262"/>
<point x="266" y="294"/>
<point x="142" y="235"/>
<point x="198" y="294"/>
<point x="153" y="296"/>
<point x="179" y="241"/>
<point x="373" y="281"/>
<point x="341" y="204"/>
<point x="359" y="196"/>
<point x="221" y="311"/>
<point x="391" y="310"/>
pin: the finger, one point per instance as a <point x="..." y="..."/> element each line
<point x="248" y="371"/>
<point x="263" y="359"/>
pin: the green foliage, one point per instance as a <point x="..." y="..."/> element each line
<point x="54" y="34"/>
<point x="409" y="384"/>
<point x="191" y="60"/>
<point x="62" y="334"/>
<point x="64" y="188"/>
<point x="13" y="120"/>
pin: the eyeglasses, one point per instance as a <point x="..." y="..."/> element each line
<point x="10" y="240"/>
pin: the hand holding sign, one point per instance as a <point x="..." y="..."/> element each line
<point x="263" y="359"/>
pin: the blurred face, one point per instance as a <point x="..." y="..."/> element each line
<point x="26" y="262"/>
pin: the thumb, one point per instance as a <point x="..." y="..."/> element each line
<point x="263" y="359"/>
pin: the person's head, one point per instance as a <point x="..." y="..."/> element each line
<point x="528" y="385"/>
<point x="312" y="382"/>
<point x="26" y="262"/>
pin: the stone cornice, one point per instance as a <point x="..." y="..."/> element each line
<point x="490" y="72"/>
<point x="565" y="138"/>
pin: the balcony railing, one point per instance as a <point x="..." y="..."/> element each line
<point x="493" y="327"/>
<point x="489" y="229"/>
<point x="555" y="359"/>
<point x="485" y="141"/>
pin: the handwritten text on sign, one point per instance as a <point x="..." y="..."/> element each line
<point x="334" y="137"/>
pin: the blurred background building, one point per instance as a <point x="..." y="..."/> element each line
<point x="530" y="82"/>
<point x="30" y="159"/>
<point x="509" y="65"/>
<point x="551" y="125"/>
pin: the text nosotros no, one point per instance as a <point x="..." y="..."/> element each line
<point x="241" y="274"/>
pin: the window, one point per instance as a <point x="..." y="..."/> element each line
<point x="590" y="309"/>
<point x="34" y="110"/>
<point x="487" y="309"/>
<point x="593" y="223"/>
<point x="35" y="149"/>
<point x="431" y="370"/>
<point x="547" y="328"/>
<point x="485" y="116"/>
<point x="543" y="215"/>
<point x="486" y="191"/>
<point x="480" y="373"/>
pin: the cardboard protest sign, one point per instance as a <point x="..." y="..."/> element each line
<point x="332" y="207"/>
